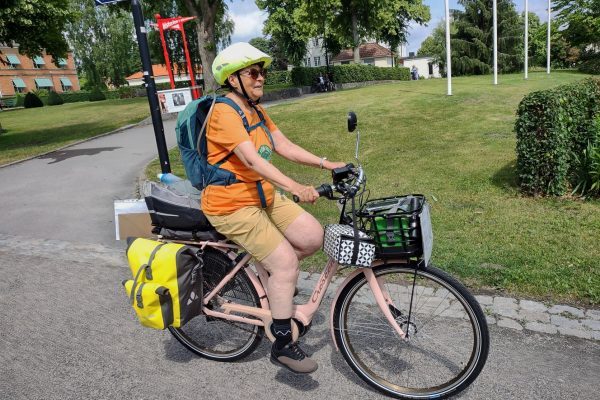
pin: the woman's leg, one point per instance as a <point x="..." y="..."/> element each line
<point x="305" y="235"/>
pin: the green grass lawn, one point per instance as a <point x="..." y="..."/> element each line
<point x="460" y="152"/>
<point x="34" y="131"/>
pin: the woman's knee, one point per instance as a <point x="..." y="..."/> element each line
<point x="282" y="262"/>
<point x="312" y="242"/>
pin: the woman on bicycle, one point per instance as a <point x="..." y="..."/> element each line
<point x="274" y="229"/>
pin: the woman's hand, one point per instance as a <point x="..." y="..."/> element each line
<point x="333" y="164"/>
<point x="305" y="194"/>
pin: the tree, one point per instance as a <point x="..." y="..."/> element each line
<point x="269" y="46"/>
<point x="472" y="45"/>
<point x="102" y="41"/>
<point x="341" y="23"/>
<point x="281" y="25"/>
<point x="36" y="25"/>
<point x="435" y="44"/>
<point x="562" y="54"/>
<point x="581" y="21"/>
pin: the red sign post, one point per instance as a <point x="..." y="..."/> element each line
<point x="176" y="24"/>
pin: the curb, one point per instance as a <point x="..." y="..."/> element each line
<point x="506" y="312"/>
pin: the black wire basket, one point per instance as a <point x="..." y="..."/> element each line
<point x="395" y="225"/>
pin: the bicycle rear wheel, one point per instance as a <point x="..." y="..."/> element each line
<point x="447" y="343"/>
<point x="214" y="338"/>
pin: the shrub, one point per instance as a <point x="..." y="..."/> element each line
<point x="552" y="127"/>
<point x="97" y="95"/>
<point x="126" y="92"/>
<point x="585" y="174"/>
<point x="278" y="77"/>
<point x="19" y="100"/>
<point x="54" y="99"/>
<point x="305" y="76"/>
<point x="75" y="97"/>
<point x="590" y="64"/>
<point x="32" y="101"/>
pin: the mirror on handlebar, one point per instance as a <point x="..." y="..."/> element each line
<point x="352" y="121"/>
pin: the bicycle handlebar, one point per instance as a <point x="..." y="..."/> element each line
<point x="340" y="177"/>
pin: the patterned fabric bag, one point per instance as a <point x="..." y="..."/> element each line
<point x="346" y="248"/>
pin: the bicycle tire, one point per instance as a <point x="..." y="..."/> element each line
<point x="446" y="322"/>
<point x="215" y="338"/>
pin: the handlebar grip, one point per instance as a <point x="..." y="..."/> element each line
<point x="324" y="191"/>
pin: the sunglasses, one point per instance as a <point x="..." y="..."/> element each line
<point x="254" y="73"/>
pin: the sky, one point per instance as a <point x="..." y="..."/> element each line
<point x="249" y="19"/>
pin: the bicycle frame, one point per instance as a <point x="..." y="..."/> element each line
<point x="301" y="312"/>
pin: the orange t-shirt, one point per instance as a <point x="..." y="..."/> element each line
<point x="224" y="133"/>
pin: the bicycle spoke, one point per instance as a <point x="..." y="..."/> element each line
<point x="437" y="357"/>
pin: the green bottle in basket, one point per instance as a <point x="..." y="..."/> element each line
<point x="392" y="231"/>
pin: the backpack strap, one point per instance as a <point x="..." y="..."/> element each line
<point x="233" y="104"/>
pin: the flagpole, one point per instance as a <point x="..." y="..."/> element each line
<point x="496" y="42"/>
<point x="548" y="51"/>
<point x="526" y="38"/>
<point x="448" y="52"/>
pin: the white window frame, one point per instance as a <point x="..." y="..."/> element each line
<point x="317" y="61"/>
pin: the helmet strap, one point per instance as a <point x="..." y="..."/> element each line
<point x="251" y="103"/>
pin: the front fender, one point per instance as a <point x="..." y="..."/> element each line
<point x="335" y="300"/>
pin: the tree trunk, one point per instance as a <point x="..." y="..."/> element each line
<point x="205" y="13"/>
<point x="355" y="39"/>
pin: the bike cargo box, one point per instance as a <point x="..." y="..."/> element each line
<point x="174" y="210"/>
<point x="166" y="289"/>
<point x="340" y="244"/>
<point x="396" y="225"/>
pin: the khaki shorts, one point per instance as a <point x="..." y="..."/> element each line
<point x="258" y="230"/>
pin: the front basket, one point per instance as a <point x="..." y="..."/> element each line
<point x="395" y="224"/>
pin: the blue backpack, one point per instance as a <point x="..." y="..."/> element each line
<point x="191" y="139"/>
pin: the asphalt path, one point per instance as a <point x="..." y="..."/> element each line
<point x="67" y="331"/>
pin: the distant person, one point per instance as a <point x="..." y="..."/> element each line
<point x="415" y="73"/>
<point x="321" y="83"/>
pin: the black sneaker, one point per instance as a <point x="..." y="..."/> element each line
<point x="293" y="358"/>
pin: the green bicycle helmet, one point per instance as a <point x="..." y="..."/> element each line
<point x="237" y="57"/>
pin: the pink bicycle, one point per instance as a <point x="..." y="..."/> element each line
<point x="406" y="328"/>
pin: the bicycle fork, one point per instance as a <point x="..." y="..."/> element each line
<point x="381" y="295"/>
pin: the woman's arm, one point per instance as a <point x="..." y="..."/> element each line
<point x="291" y="151"/>
<point x="246" y="152"/>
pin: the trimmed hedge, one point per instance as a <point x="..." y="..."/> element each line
<point x="32" y="101"/>
<point x="54" y="99"/>
<point x="305" y="76"/>
<point x="97" y="95"/>
<point x="553" y="127"/>
<point x="279" y="77"/>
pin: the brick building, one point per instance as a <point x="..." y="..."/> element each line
<point x="21" y="74"/>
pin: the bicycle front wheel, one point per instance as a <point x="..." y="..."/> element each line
<point x="215" y="338"/>
<point x="447" y="342"/>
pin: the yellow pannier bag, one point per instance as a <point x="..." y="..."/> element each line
<point x="152" y="304"/>
<point x="166" y="289"/>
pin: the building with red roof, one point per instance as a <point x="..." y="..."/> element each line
<point x="370" y="53"/>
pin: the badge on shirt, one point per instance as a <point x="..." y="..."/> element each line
<point x="265" y="152"/>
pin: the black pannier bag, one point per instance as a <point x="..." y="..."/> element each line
<point x="175" y="210"/>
